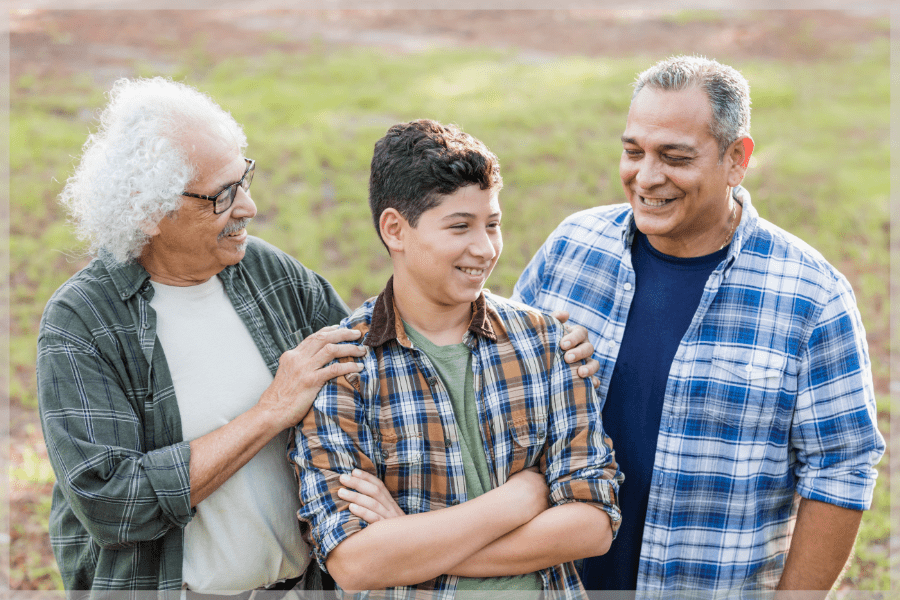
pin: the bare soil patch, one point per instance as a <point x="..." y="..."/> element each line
<point x="100" y="43"/>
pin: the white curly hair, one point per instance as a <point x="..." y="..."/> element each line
<point x="133" y="169"/>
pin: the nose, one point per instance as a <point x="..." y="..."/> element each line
<point x="486" y="245"/>
<point x="649" y="173"/>
<point x="244" y="207"/>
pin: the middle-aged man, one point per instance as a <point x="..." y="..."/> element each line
<point x="170" y="368"/>
<point x="733" y="362"/>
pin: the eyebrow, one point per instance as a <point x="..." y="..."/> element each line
<point x="465" y="215"/>
<point x="231" y="183"/>
<point x="682" y="147"/>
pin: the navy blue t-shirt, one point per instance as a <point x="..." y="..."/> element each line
<point x="666" y="295"/>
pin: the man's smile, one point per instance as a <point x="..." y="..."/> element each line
<point x="655" y="201"/>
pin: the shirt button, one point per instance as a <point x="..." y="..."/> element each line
<point x="627" y="286"/>
<point x="748" y="368"/>
<point x="431" y="381"/>
<point x="385" y="454"/>
<point x="447" y="443"/>
<point x="611" y="343"/>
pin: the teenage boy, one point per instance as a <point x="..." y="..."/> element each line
<point x="466" y="454"/>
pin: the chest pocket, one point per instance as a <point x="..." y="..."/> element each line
<point x="747" y="386"/>
<point x="527" y="437"/>
<point x="402" y="462"/>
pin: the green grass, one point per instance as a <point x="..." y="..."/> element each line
<point x="870" y="568"/>
<point x="820" y="171"/>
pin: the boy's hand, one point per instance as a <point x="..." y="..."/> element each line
<point x="369" y="499"/>
<point x="576" y="338"/>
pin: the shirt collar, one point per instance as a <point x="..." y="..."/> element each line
<point x="128" y="277"/>
<point x="387" y="325"/>
<point x="749" y="216"/>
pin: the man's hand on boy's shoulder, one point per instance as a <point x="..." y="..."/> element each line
<point x="576" y="338"/>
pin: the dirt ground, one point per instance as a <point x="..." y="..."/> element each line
<point x="102" y="43"/>
<point x="106" y="44"/>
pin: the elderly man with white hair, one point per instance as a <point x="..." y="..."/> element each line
<point x="167" y="368"/>
<point x="171" y="367"/>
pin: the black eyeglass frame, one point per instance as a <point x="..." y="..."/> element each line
<point x="251" y="167"/>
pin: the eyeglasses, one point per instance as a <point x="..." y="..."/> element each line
<point x="224" y="199"/>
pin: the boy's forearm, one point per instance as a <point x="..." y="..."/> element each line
<point x="415" y="548"/>
<point x="561" y="534"/>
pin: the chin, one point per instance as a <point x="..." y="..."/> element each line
<point x="474" y="296"/>
<point x="236" y="256"/>
<point x="461" y="299"/>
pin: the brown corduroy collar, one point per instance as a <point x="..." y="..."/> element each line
<point x="387" y="325"/>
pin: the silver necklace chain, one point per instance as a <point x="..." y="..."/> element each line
<point x="731" y="222"/>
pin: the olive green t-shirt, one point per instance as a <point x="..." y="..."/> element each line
<point x="454" y="366"/>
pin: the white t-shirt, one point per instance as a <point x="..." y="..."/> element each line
<point x="246" y="533"/>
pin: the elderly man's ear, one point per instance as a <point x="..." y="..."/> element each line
<point x="151" y="229"/>
<point x="740" y="159"/>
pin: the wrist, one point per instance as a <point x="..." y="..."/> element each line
<point x="266" y="418"/>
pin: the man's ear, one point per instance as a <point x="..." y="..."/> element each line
<point x="392" y="226"/>
<point x="151" y="229"/>
<point x="740" y="152"/>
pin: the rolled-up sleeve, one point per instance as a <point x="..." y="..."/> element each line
<point x="835" y="433"/>
<point x="331" y="440"/>
<point x="580" y="461"/>
<point x="95" y="435"/>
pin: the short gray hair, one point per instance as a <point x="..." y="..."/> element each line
<point x="727" y="90"/>
<point x="134" y="168"/>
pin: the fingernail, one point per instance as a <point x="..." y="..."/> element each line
<point x="344" y="477"/>
<point x="570" y="357"/>
<point x="356" y="472"/>
<point x="565" y="345"/>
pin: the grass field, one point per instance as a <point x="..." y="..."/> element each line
<point x="820" y="170"/>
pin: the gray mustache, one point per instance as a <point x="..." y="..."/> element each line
<point x="235" y="226"/>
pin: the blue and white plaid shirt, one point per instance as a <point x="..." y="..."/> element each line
<point x="770" y="394"/>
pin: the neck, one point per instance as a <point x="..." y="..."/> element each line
<point x="162" y="272"/>
<point x="702" y="242"/>
<point x="440" y="324"/>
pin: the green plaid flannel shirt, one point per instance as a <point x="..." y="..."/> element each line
<point x="110" y="416"/>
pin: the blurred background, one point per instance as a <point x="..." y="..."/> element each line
<point x="546" y="90"/>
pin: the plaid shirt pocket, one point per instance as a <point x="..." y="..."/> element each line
<point x="402" y="465"/>
<point x="746" y="385"/>
<point x="527" y="442"/>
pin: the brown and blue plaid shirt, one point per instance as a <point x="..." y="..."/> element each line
<point x="395" y="420"/>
